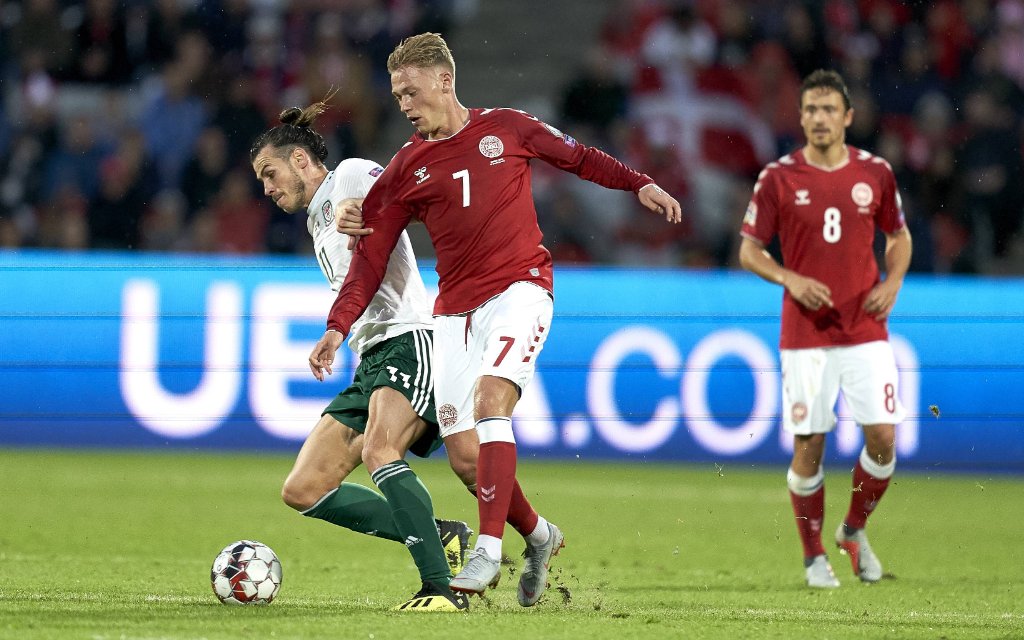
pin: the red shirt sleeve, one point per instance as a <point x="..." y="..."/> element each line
<point x="562" y="151"/>
<point x="761" y="221"/>
<point x="385" y="215"/>
<point x="890" y="218"/>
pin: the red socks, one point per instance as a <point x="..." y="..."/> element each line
<point x="495" y="485"/>
<point x="809" y="512"/>
<point x="867" y="491"/>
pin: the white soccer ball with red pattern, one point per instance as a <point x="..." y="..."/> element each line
<point x="246" y="572"/>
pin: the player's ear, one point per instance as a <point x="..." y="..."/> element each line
<point x="299" y="157"/>
<point x="447" y="81"/>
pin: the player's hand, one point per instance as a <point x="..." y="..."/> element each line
<point x="881" y="299"/>
<point x="322" y="357"/>
<point x="657" y="200"/>
<point x="349" y="220"/>
<point x="809" y="292"/>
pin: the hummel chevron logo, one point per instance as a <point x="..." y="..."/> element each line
<point x="487" y="493"/>
<point x="411" y="540"/>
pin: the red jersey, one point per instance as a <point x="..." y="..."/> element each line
<point x="826" y="221"/>
<point x="473" y="193"/>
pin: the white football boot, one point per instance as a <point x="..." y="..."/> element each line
<point x="479" y="572"/>
<point x="819" y="573"/>
<point x="865" y="563"/>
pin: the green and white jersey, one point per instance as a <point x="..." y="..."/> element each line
<point x="401" y="303"/>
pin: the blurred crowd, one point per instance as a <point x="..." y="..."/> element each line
<point x="126" y="124"/>
<point x="702" y="93"/>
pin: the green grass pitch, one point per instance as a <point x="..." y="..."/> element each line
<point x="119" y="545"/>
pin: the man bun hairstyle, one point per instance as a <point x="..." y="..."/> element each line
<point x="295" y="130"/>
<point x="825" y="79"/>
<point x="422" y="51"/>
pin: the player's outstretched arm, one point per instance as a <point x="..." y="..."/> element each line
<point x="659" y="201"/>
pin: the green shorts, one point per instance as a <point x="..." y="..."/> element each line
<point x="402" y="363"/>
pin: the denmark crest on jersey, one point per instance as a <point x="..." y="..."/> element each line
<point x="491" y="146"/>
<point x="328" y="212"/>
<point x="862" y="194"/>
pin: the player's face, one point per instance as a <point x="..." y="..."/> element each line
<point x="281" y="182"/>
<point x="824" y="117"/>
<point x="420" y="97"/>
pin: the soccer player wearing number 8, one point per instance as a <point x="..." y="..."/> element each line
<point x="465" y="174"/>
<point x="825" y="202"/>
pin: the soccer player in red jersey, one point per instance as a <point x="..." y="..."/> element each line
<point x="465" y="174"/>
<point x="824" y="202"/>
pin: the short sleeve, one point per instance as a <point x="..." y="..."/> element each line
<point x="890" y="217"/>
<point x="760" y="222"/>
<point x="355" y="176"/>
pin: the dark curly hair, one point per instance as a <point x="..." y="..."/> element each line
<point x="294" y="131"/>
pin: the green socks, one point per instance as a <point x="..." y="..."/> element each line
<point x="358" y="508"/>
<point x="413" y="515"/>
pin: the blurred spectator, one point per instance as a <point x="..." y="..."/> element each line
<point x="736" y="37"/>
<point x="76" y="161"/>
<point x="205" y="170"/>
<point x="172" y="122"/>
<point x="62" y="220"/>
<point x="241" y="219"/>
<point x="866" y="127"/>
<point x="565" y="227"/>
<point x="989" y="161"/>
<point x="239" y="118"/>
<point x="224" y="22"/>
<point x="676" y="48"/>
<point x="39" y="30"/>
<point x="771" y="84"/>
<point x="330" y="66"/>
<point x="1010" y="34"/>
<point x="163" y="224"/>
<point x="166" y="22"/>
<point x="114" y="213"/>
<point x="594" y="101"/>
<point x="986" y="73"/>
<point x="101" y="45"/>
<point x="904" y="84"/>
<point x="803" y="39"/>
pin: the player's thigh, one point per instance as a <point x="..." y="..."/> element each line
<point x="392" y="428"/>
<point x="512" y="330"/>
<point x="456" y="363"/>
<point x="870" y="383"/>
<point x="329" y="454"/>
<point x="401" y="415"/>
<point x="810" y="388"/>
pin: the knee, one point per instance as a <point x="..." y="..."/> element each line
<point x="880" y="442"/>
<point x="296" y="494"/>
<point x="375" y="456"/>
<point x="300" y="491"/>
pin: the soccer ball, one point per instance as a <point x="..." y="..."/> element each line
<point x="246" y="572"/>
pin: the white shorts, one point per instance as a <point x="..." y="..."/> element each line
<point x="501" y="338"/>
<point x="812" y="378"/>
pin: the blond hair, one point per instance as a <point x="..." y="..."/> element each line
<point x="422" y="51"/>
